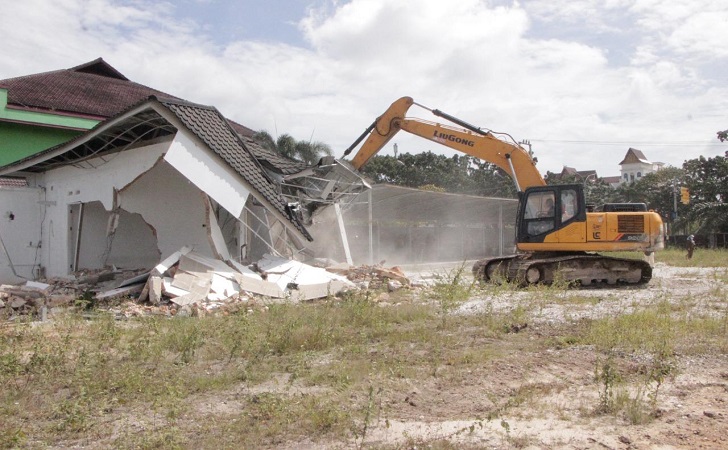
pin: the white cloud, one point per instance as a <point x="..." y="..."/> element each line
<point x="540" y="70"/>
<point x="703" y="35"/>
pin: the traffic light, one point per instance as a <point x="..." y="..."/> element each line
<point x="684" y="195"/>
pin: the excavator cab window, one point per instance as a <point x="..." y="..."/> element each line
<point x="545" y="209"/>
<point x="539" y="212"/>
<point x="569" y="204"/>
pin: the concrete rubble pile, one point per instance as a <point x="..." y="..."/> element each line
<point x="187" y="278"/>
<point x="374" y="277"/>
<point x="187" y="283"/>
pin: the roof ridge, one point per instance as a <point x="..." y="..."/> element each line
<point x="182" y="102"/>
<point x="99" y="67"/>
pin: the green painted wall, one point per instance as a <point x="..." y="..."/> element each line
<point x="42" y="118"/>
<point x="24" y="133"/>
<point x="18" y="141"/>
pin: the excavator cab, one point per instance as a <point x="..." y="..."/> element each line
<point x="544" y="210"/>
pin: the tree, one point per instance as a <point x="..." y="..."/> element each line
<point x="656" y="190"/>
<point x="707" y="180"/>
<point x="596" y="191"/>
<point x="599" y="192"/>
<point x="490" y="180"/>
<point x="286" y="145"/>
<point x="459" y="173"/>
<point x="723" y="135"/>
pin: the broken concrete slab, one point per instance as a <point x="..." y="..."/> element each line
<point x="188" y="299"/>
<point x="170" y="290"/>
<point x="244" y="270"/>
<point x="17" y="302"/>
<point x="196" y="282"/>
<point x="301" y="281"/>
<point x="393" y="273"/>
<point x="141" y="278"/>
<point x="201" y="270"/>
<point x="162" y="268"/>
<point x="222" y="287"/>
<point x="20" y="292"/>
<point x="260" y="287"/>
<point x="155" y="290"/>
<point x="144" y="295"/>
<point x="35" y="286"/>
<point x="195" y="262"/>
<point x="251" y="281"/>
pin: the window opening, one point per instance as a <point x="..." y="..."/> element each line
<point x="539" y="213"/>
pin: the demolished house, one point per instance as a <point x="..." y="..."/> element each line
<point x="163" y="175"/>
<point x="99" y="172"/>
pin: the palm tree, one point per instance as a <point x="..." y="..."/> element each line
<point x="306" y="151"/>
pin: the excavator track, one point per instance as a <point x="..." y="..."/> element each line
<point x="585" y="269"/>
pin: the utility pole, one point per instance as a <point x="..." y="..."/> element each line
<point x="526" y="142"/>
<point x="674" y="200"/>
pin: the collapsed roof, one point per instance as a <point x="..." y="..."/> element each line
<point x="97" y="90"/>
<point x="155" y="119"/>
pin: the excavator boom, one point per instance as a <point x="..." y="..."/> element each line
<point x="510" y="157"/>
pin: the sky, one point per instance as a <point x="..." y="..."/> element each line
<point x="581" y="80"/>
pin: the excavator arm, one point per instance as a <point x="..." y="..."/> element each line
<point x="468" y="139"/>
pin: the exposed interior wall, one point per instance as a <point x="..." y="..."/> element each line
<point x="120" y="239"/>
<point x="94" y="181"/>
<point x="21" y="213"/>
<point x="231" y="230"/>
<point x="172" y="206"/>
<point x="258" y="236"/>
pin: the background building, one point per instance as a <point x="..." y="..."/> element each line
<point x="635" y="165"/>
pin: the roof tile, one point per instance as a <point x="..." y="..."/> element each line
<point x="92" y="89"/>
<point x="222" y="139"/>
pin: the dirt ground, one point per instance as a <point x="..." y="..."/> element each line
<point x="692" y="411"/>
<point x="521" y="397"/>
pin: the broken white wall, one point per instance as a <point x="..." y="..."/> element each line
<point x="90" y="182"/>
<point x="20" y="218"/>
<point x="231" y="230"/>
<point x="163" y="183"/>
<point x="208" y="172"/>
<point x="173" y="206"/>
<point x="130" y="244"/>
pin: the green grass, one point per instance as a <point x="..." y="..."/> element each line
<point x="677" y="257"/>
<point x="69" y="377"/>
<point x="656" y="336"/>
<point x="701" y="257"/>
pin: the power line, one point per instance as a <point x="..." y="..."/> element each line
<point x="635" y="143"/>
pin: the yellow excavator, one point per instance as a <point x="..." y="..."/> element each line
<point x="557" y="236"/>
